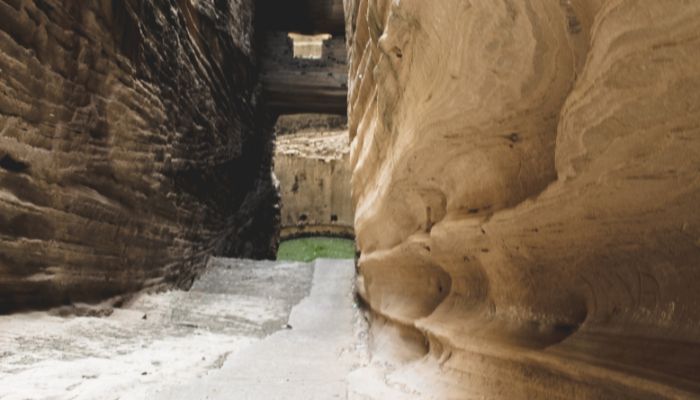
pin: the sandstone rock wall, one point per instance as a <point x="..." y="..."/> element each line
<point x="132" y="146"/>
<point x="314" y="180"/>
<point x="525" y="183"/>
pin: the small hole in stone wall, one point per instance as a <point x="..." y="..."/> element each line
<point x="8" y="163"/>
<point x="334" y="218"/>
<point x="309" y="47"/>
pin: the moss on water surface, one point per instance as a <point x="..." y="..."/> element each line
<point x="309" y="249"/>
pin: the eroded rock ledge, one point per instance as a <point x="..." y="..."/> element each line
<point x="132" y="146"/>
<point x="525" y="182"/>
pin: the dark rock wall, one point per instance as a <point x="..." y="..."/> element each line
<point x="293" y="85"/>
<point x="305" y="16"/>
<point x="132" y="146"/>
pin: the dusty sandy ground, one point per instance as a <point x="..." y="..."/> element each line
<point x="156" y="341"/>
<point x="246" y="329"/>
<point x="325" y="341"/>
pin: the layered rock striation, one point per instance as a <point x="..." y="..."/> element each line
<point x="525" y="184"/>
<point x="132" y="146"/>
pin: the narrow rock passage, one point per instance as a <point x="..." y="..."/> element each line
<point x="310" y="359"/>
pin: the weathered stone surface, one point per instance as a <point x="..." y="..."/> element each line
<point x="131" y="146"/>
<point x="295" y="123"/>
<point x="313" y="170"/>
<point x="158" y="341"/>
<point x="525" y="181"/>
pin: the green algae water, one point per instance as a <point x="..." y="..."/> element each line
<point x="309" y="249"/>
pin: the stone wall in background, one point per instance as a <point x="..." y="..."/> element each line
<point x="303" y="85"/>
<point x="295" y="123"/>
<point x="525" y="183"/>
<point x="314" y="180"/>
<point x="132" y="146"/>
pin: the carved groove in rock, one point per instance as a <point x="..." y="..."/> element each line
<point x="525" y="190"/>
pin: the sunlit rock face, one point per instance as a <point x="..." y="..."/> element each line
<point x="131" y="146"/>
<point x="525" y="183"/>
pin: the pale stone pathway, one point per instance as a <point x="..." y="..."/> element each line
<point x="246" y="330"/>
<point x="310" y="359"/>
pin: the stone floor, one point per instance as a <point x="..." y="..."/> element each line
<point x="324" y="340"/>
<point x="160" y="340"/>
<point x="246" y="330"/>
